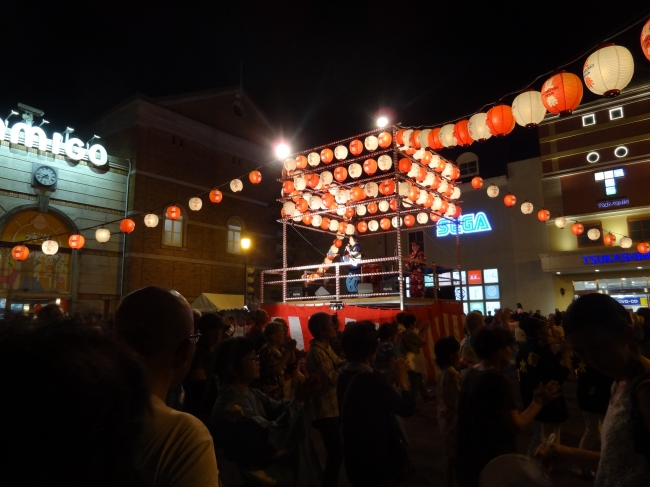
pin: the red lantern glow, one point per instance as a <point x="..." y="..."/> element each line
<point x="609" y="239"/>
<point x="422" y="175"/>
<point x="302" y="205"/>
<point x="373" y="208"/>
<point x="387" y="187"/>
<point x="429" y="201"/>
<point x="307" y="219"/>
<point x="384" y="223"/>
<point x="76" y="241"/>
<point x="458" y="212"/>
<point x="399" y="136"/>
<point x="643" y="247"/>
<point x="409" y="220"/>
<point x="326" y="155"/>
<point x="370" y="166"/>
<point x="562" y="93"/>
<point x="356" y="147"/>
<point x="462" y="133"/>
<point x="477" y="182"/>
<point x="342" y="226"/>
<point x="577" y="228"/>
<point x="312" y="180"/>
<point x="500" y="120"/>
<point x="444" y="207"/>
<point x="325" y="223"/>
<point x="414" y="194"/>
<point x="127" y="225"/>
<point x="434" y="217"/>
<point x="362" y="227"/>
<point x="255" y="177"/>
<point x="216" y="196"/>
<point x="173" y="212"/>
<point x="393" y="205"/>
<point x="338" y="243"/>
<point x="414" y="140"/>
<point x="510" y="200"/>
<point x="384" y="140"/>
<point x="329" y="201"/>
<point x="349" y="213"/>
<point x="20" y="252"/>
<point x="543" y="215"/>
<point x="357" y="194"/>
<point x="434" y="139"/>
<point x="287" y="187"/>
<point x="404" y="164"/>
<point x="340" y="174"/>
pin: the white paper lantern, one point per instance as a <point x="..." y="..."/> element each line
<point x="195" y="204"/>
<point x="384" y="205"/>
<point x="236" y="185"/>
<point x="340" y="211"/>
<point x="456" y="194"/>
<point x="349" y="229"/>
<point x="50" y="247"/>
<point x="341" y="196"/>
<point x="404" y="188"/>
<point x="477" y="127"/>
<point x="371" y="189"/>
<point x="396" y="223"/>
<point x="355" y="170"/>
<point x="493" y="191"/>
<point x="424" y="138"/>
<point x="326" y="178"/>
<point x="334" y="225"/>
<point x="608" y="70"/>
<point x="449" y="170"/>
<point x="437" y="203"/>
<point x="626" y="242"/>
<point x="316" y="220"/>
<point x="526" y="208"/>
<point x="327" y="261"/>
<point x="334" y="249"/>
<point x="414" y="171"/>
<point x="103" y="235"/>
<point x="422" y="198"/>
<point x="593" y="234"/>
<point x="290" y="164"/>
<point x="289" y="207"/>
<point x="299" y="183"/>
<point x="313" y="159"/>
<point x="333" y="188"/>
<point x="406" y="137"/>
<point x="384" y="162"/>
<point x="361" y="210"/>
<point x="340" y="152"/>
<point x="315" y="203"/>
<point x="443" y="186"/>
<point x="428" y="181"/>
<point x="150" y="220"/>
<point x="419" y="154"/>
<point x="435" y="161"/>
<point x="373" y="225"/>
<point x="406" y="203"/>
<point x="560" y="222"/>
<point x="447" y="136"/>
<point x="297" y="216"/>
<point x="528" y="108"/>
<point x="371" y="143"/>
<point x="451" y="209"/>
<point x="422" y="218"/>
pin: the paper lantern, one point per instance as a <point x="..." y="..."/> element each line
<point x="397" y="222"/>
<point x="195" y="204"/>
<point x="451" y="209"/>
<point x="414" y="171"/>
<point x="608" y="70"/>
<point x="362" y="227"/>
<point x="528" y="108"/>
<point x="335" y="225"/>
<point x="429" y="201"/>
<point x="384" y="205"/>
<point x="435" y="182"/>
<point x="399" y="136"/>
<point x="349" y="229"/>
<point x="150" y="220"/>
<point x="342" y="196"/>
<point x="325" y="223"/>
<point x="127" y="225"/>
<point x="449" y="191"/>
<point x="289" y="164"/>
<point x="562" y="93"/>
<point x="316" y="221"/>
<point x="371" y="189"/>
<point x="356" y="147"/>
<point x="236" y="185"/>
<point x="393" y="205"/>
<point x="302" y="205"/>
<point x="355" y="170"/>
<point x="385" y="162"/>
<point x="424" y="138"/>
<point x="76" y="241"/>
<point x="593" y="234"/>
<point x="477" y="127"/>
<point x="384" y="139"/>
<point x="255" y="177"/>
<point x="645" y="40"/>
<point x="448" y="171"/>
<point x="289" y="207"/>
<point x="413" y="194"/>
<point x="313" y="159"/>
<point x="493" y="191"/>
<point x="20" y="252"/>
<point x="404" y="165"/>
<point x="307" y="219"/>
<point x="444" y="205"/>
<point x="361" y="210"/>
<point x="626" y="242"/>
<point x="438" y="164"/>
<point x="349" y="212"/>
<point x="442" y="187"/>
<point x="372" y="208"/>
<point x="357" y="194"/>
<point x="422" y="175"/>
<point x="414" y="139"/>
<point x="409" y="220"/>
<point x="560" y="222"/>
<point x="373" y="225"/>
<point x="326" y="178"/>
<point x="387" y="187"/>
<point x="434" y="139"/>
<point x="301" y="163"/>
<point x="329" y="201"/>
<point x="371" y="143"/>
<point x="299" y="183"/>
<point x="50" y="247"/>
<point x="609" y="239"/>
<point x="510" y="200"/>
<point x="422" y="197"/>
<point x="543" y="215"/>
<point x="577" y="228"/>
<point x="384" y="223"/>
<point x="215" y="196"/>
<point x="370" y="166"/>
<point x="458" y="212"/>
<point x="312" y="180"/>
<point x="340" y="174"/>
<point x="173" y="212"/>
<point x="455" y="173"/>
<point x="340" y="152"/>
<point x="455" y="193"/>
<point x="315" y="203"/>
<point x="326" y="155"/>
<point x="447" y="136"/>
<point x="500" y="120"/>
<point x="461" y="133"/>
<point x="643" y="247"/>
<point x="477" y="182"/>
<point x="434" y="217"/>
<point x="422" y="218"/>
<point x="526" y="207"/>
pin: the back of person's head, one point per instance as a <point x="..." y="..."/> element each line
<point x="272" y="328"/>
<point x="596" y="311"/>
<point x="490" y="340"/>
<point x="261" y="317"/>
<point x="78" y="399"/>
<point x="409" y="320"/>
<point x="196" y="316"/>
<point x="444" y="349"/>
<point x="212" y="327"/>
<point x="531" y="325"/>
<point x="387" y="331"/>
<point x="154" y="321"/>
<point x="317" y="322"/>
<point x="359" y="340"/>
<point x="230" y="355"/>
<point x="400" y="318"/>
<point x="474" y="322"/>
<point x="49" y="313"/>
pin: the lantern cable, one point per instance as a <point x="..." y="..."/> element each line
<point x="305" y="239"/>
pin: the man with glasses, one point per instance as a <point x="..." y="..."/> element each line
<point x="176" y="449"/>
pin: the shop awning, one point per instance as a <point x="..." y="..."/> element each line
<point x="216" y="302"/>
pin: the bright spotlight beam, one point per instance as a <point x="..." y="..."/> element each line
<point x="382" y="122"/>
<point x="282" y="150"/>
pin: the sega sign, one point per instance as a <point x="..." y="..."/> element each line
<point x="468" y="223"/>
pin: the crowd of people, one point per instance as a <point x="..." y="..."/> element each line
<point x="160" y="395"/>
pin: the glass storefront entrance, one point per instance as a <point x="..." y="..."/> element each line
<point x="631" y="292"/>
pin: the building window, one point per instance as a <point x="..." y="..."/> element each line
<point x="173" y="232"/>
<point x="235" y="228"/>
<point x="467" y="164"/>
<point x="616" y="113"/>
<point x="589" y="120"/>
<point x="416" y="237"/>
<point x="585" y="241"/>
<point x="639" y="229"/>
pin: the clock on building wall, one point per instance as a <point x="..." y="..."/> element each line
<point x="45" y="176"/>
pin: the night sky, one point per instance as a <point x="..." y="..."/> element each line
<point x="319" y="70"/>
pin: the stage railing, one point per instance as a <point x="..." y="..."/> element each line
<point x="327" y="275"/>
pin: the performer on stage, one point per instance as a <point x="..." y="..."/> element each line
<point x="416" y="276"/>
<point x="353" y="255"/>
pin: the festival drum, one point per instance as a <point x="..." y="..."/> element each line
<point x="374" y="280"/>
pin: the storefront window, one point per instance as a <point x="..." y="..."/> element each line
<point x="639" y="229"/>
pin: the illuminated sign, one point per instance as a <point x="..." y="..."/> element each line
<point x="474" y="277"/>
<point x="613" y="203"/>
<point x="468" y="223"/>
<point x="629" y="300"/>
<point x="35" y="136"/>
<point x="620" y="258"/>
<point x="609" y="177"/>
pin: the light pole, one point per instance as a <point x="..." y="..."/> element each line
<point x="245" y="245"/>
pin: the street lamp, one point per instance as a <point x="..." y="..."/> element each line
<point x="245" y="245"/>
